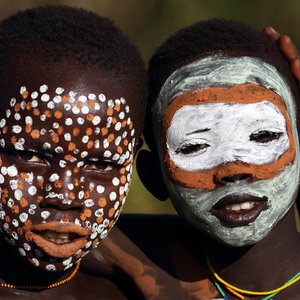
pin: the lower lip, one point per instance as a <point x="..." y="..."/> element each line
<point x="57" y="250"/>
<point x="243" y="217"/>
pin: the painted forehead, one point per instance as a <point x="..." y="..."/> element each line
<point x="89" y="122"/>
<point x="218" y="71"/>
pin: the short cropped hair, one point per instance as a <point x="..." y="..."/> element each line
<point x="54" y="33"/>
<point x="207" y="38"/>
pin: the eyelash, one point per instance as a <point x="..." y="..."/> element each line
<point x="190" y="148"/>
<point x="265" y="136"/>
<point x="31" y="157"/>
<point x="101" y="166"/>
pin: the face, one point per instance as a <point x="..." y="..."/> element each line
<point x="230" y="159"/>
<point x="66" y="163"/>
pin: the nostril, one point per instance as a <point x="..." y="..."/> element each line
<point x="232" y="178"/>
<point x="227" y="179"/>
<point x="245" y="177"/>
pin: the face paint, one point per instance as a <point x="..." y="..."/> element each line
<point x="66" y="164"/>
<point x="216" y="137"/>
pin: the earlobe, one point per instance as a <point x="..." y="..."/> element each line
<point x="149" y="172"/>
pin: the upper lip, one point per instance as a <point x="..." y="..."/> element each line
<point x="62" y="227"/>
<point x="34" y="233"/>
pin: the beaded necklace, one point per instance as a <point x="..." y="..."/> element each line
<point x="236" y="291"/>
<point x="42" y="287"/>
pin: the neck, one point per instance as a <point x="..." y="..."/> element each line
<point x="265" y="265"/>
<point x="12" y="270"/>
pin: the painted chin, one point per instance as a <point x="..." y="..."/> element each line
<point x="57" y="240"/>
<point x="239" y="210"/>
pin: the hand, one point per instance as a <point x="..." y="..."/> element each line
<point x="287" y="48"/>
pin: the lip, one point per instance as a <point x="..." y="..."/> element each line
<point x="235" y="218"/>
<point x="34" y="234"/>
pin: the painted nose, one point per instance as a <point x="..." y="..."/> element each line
<point x="61" y="194"/>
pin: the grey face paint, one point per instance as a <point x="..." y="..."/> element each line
<point x="195" y="204"/>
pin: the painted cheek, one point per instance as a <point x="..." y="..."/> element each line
<point x="18" y="188"/>
<point x="104" y="200"/>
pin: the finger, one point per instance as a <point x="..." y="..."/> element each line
<point x="287" y="47"/>
<point x="271" y="32"/>
<point x="295" y="67"/>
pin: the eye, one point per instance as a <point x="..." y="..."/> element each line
<point x="265" y="136"/>
<point x="192" y="148"/>
<point x="31" y="157"/>
<point x="101" y="166"/>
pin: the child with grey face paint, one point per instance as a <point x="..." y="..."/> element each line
<point x="71" y="94"/>
<point x="222" y="130"/>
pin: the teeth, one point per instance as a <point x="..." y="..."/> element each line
<point x="57" y="237"/>
<point x="240" y="206"/>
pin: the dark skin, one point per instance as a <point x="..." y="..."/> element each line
<point x="176" y="263"/>
<point x="83" y="80"/>
<point x="176" y="266"/>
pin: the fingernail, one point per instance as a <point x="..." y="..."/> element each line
<point x="295" y="67"/>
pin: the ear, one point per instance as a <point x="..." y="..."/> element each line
<point x="149" y="171"/>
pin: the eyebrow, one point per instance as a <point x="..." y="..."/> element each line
<point x="198" y="131"/>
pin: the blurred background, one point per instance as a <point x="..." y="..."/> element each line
<point x="149" y="22"/>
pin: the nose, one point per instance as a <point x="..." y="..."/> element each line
<point x="61" y="193"/>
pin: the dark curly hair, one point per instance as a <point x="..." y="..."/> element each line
<point x="55" y="33"/>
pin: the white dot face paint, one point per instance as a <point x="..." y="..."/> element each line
<point x="229" y="145"/>
<point x="56" y="170"/>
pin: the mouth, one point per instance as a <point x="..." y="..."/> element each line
<point x="239" y="210"/>
<point x="57" y="239"/>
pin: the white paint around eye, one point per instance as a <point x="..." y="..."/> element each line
<point x="228" y="138"/>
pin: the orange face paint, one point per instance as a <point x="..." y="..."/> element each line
<point x="242" y="94"/>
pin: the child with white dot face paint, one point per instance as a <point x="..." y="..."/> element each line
<point x="68" y="136"/>
<point x="59" y="188"/>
